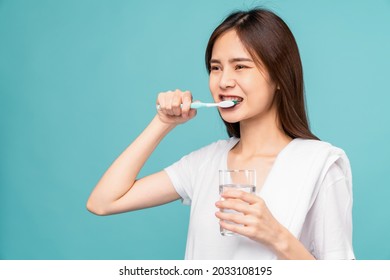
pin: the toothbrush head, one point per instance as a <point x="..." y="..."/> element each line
<point x="228" y="103"/>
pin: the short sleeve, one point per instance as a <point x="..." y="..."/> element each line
<point x="327" y="231"/>
<point x="180" y="175"/>
<point x="185" y="172"/>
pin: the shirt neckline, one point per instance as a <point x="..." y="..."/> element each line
<point x="234" y="141"/>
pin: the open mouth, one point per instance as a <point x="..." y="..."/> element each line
<point x="236" y="99"/>
<point x="231" y="98"/>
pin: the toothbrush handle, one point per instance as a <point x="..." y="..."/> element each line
<point x="195" y="105"/>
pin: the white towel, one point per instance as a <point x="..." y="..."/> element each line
<point x="295" y="179"/>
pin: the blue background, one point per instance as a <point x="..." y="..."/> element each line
<point x="78" y="82"/>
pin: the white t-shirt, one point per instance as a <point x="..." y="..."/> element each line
<point x="327" y="225"/>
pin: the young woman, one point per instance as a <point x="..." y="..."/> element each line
<point x="303" y="202"/>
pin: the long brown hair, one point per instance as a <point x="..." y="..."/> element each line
<point x="268" y="38"/>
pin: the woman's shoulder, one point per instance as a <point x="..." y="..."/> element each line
<point x="312" y="145"/>
<point x="334" y="158"/>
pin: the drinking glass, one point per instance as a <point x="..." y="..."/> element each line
<point x="243" y="179"/>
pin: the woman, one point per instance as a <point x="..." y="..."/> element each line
<point x="302" y="206"/>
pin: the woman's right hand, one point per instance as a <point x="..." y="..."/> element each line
<point x="170" y="110"/>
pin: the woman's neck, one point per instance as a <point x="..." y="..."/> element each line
<point x="261" y="137"/>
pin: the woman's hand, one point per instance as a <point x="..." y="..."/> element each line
<point x="174" y="107"/>
<point x="254" y="219"/>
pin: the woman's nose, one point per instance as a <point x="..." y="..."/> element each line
<point x="226" y="81"/>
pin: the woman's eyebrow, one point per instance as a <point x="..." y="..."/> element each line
<point x="237" y="59"/>
<point x="214" y="61"/>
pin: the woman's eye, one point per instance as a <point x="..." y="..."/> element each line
<point x="214" y="68"/>
<point x="239" y="67"/>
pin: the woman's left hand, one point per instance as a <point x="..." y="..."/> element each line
<point x="254" y="219"/>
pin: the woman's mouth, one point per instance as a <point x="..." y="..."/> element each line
<point x="235" y="99"/>
<point x="230" y="98"/>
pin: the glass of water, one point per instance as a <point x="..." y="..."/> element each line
<point x="243" y="179"/>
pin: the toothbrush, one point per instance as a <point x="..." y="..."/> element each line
<point x="222" y="104"/>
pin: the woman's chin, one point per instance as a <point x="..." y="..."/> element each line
<point x="231" y="115"/>
<point x="230" y="119"/>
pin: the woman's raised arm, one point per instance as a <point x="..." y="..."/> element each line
<point x="119" y="190"/>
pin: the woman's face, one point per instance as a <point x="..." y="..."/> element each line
<point x="234" y="75"/>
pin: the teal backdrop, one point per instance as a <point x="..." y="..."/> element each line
<point x="78" y="83"/>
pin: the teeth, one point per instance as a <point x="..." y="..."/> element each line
<point x="231" y="98"/>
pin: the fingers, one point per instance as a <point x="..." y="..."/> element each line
<point x="242" y="229"/>
<point x="247" y="215"/>
<point x="187" y="98"/>
<point x="175" y="103"/>
<point x="239" y="223"/>
<point x="243" y="202"/>
<point x="240" y="211"/>
<point x="237" y="218"/>
<point x="234" y="204"/>
<point x="240" y="201"/>
<point x="244" y="196"/>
